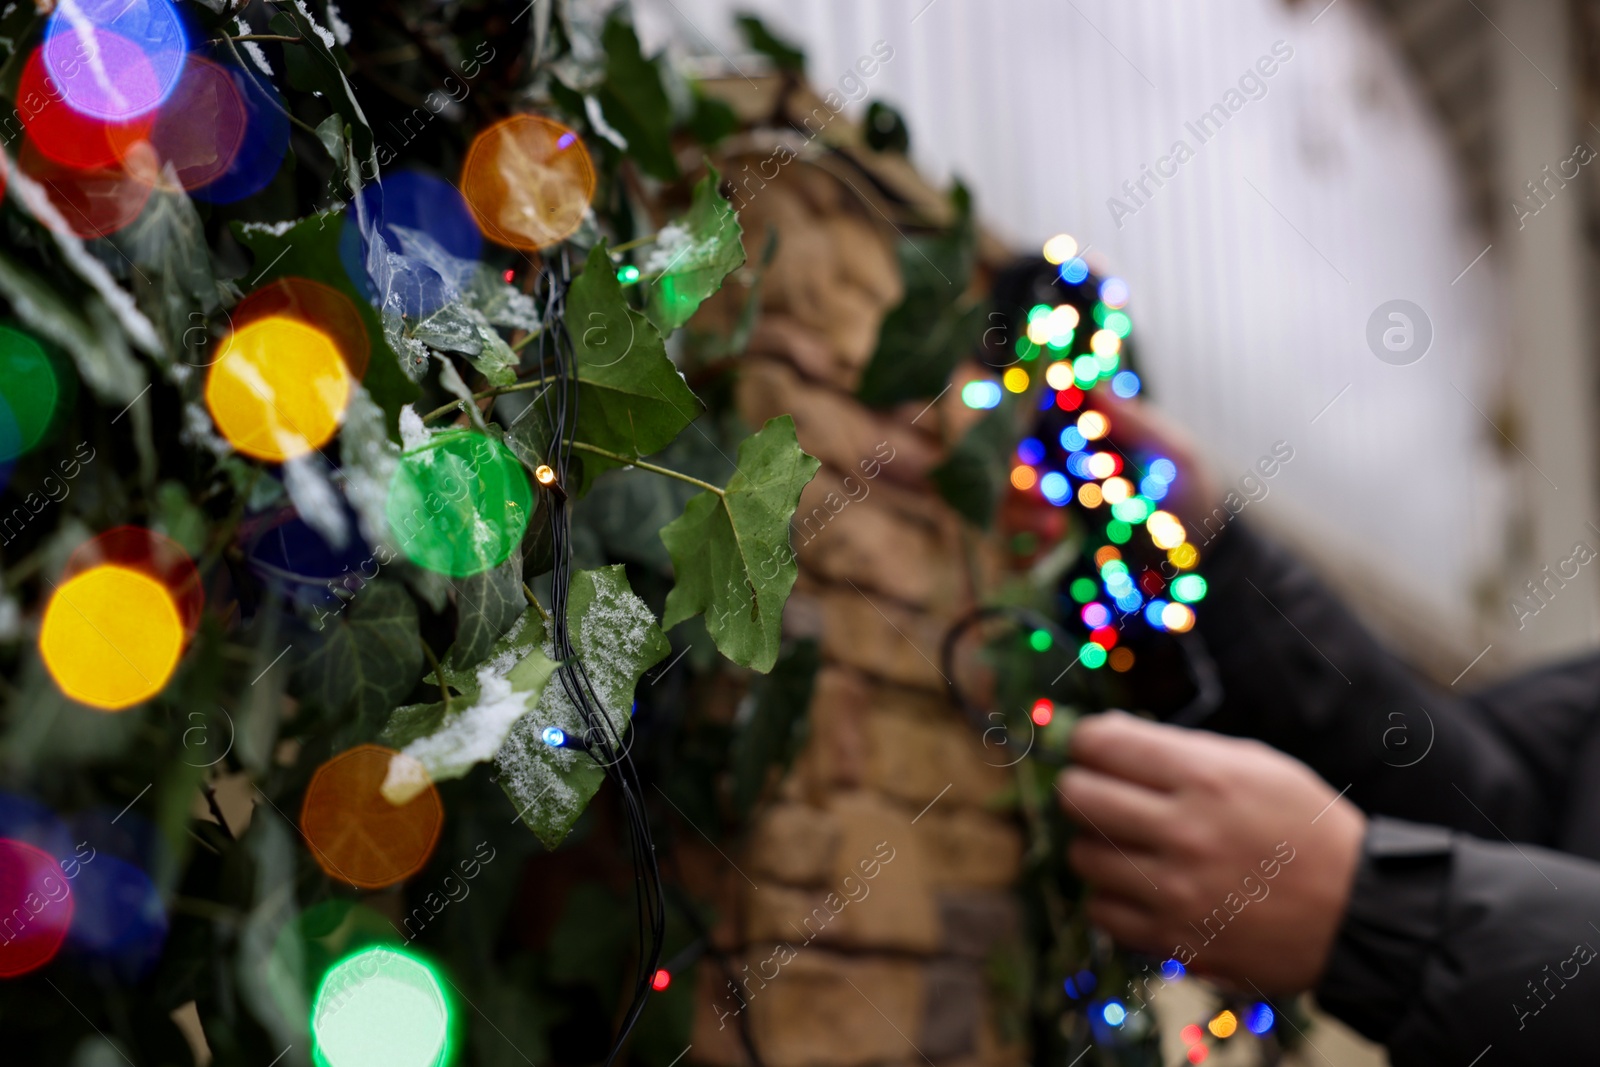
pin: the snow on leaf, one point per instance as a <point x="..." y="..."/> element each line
<point x="448" y="745"/>
<point x="692" y="255"/>
<point x="368" y="460"/>
<point x="314" y="498"/>
<point x="615" y="635"/>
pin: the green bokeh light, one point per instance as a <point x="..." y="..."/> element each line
<point x="1039" y="640"/>
<point x="1118" y="531"/>
<point x="1189" y="588"/>
<point x="380" y="1008"/>
<point x="1119" y="323"/>
<point x="459" y="504"/>
<point x="30" y="390"/>
<point x="1092" y="655"/>
<point x="1083" y="590"/>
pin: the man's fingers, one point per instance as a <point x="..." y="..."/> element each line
<point x="1130" y="925"/>
<point x="1116" y="870"/>
<point x="1123" y="746"/>
<point x="1122" y="811"/>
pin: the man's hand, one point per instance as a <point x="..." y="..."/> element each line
<point x="1227" y="854"/>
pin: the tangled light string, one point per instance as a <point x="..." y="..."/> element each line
<point x="1076" y="345"/>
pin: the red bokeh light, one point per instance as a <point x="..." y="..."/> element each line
<point x="1043" y="712"/>
<point x="36" y="899"/>
<point x="662" y="979"/>
<point x="68" y="137"/>
<point x="1105" y="636"/>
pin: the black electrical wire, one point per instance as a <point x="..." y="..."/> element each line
<point x="602" y="741"/>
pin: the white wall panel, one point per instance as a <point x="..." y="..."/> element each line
<point x="1250" y="304"/>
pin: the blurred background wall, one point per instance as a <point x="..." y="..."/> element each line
<point x="1384" y="158"/>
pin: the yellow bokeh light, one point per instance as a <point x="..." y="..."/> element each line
<point x="1059" y="375"/>
<point x="1165" y="530"/>
<point x="1089" y="495"/>
<point x="278" y="390"/>
<point x="111" y="637"/>
<point x="1102" y="465"/>
<point x="1105" y="343"/>
<point x="1225" y="1023"/>
<point x="1116" y="490"/>
<point x="1024" y="478"/>
<point x="1060" y="248"/>
<point x="1093" y="425"/>
<point x="1184" y="556"/>
<point x="1039" y="331"/>
<point x="1016" y="380"/>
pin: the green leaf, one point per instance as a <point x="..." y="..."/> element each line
<point x="635" y="103"/>
<point x="731" y="552"/>
<point x="932" y="329"/>
<point x="101" y="356"/>
<point x="631" y="399"/>
<point x="615" y="635"/>
<point x="776" y="728"/>
<point x="174" y="280"/>
<point x="310" y="249"/>
<point x="785" y="56"/>
<point x="692" y="255"/>
<point x="456" y="327"/>
<point x="368" y="658"/>
<point x="974" y="476"/>
<point x="177" y="517"/>
<point x="711" y="120"/>
<point x="487" y="604"/>
<point x="447" y="743"/>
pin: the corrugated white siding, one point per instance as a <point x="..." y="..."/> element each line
<point x="1255" y="269"/>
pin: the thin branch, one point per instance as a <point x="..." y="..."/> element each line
<point x="637" y="242"/>
<point x="438" y="674"/>
<point x="216" y="809"/>
<point x="543" y="614"/>
<point x="455" y="405"/>
<point x="260" y="37"/>
<point x="651" y="467"/>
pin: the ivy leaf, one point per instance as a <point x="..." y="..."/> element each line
<point x="367" y="659"/>
<point x="615" y="634"/>
<point x="775" y="729"/>
<point x="101" y="356"/>
<point x="447" y="743"/>
<point x="932" y="329"/>
<point x="487" y="605"/>
<point x="692" y="255"/>
<point x="174" y="277"/>
<point x="731" y="551"/>
<point x="974" y="475"/>
<point x="310" y="249"/>
<point x="784" y="55"/>
<point x="455" y="327"/>
<point x="635" y="102"/>
<point x="631" y="399"/>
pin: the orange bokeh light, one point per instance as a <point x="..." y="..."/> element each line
<point x="528" y="182"/>
<point x="279" y="389"/>
<point x="111" y="637"/>
<point x="356" y="834"/>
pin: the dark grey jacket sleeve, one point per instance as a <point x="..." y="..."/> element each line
<point x="1467" y="930"/>
<point x="1300" y="673"/>
<point x="1458" y="951"/>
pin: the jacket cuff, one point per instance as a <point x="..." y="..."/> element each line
<point x="1393" y="922"/>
